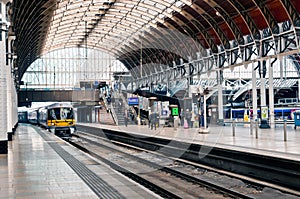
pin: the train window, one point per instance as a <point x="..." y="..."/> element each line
<point x="54" y="114"/>
<point x="60" y="114"/>
<point x="66" y="113"/>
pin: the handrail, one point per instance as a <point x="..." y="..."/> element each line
<point x="113" y="113"/>
<point x="112" y="110"/>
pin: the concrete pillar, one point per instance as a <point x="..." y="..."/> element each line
<point x="254" y="92"/>
<point x="15" y="107"/>
<point x="10" y="96"/>
<point x="271" y="96"/>
<point x="220" y="97"/>
<point x="3" y="87"/>
<point x="9" y="105"/>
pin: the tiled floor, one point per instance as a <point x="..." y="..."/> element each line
<point x="32" y="169"/>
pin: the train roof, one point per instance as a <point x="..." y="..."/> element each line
<point x="22" y="109"/>
<point x="60" y="104"/>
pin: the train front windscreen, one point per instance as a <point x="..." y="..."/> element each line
<point x="60" y="113"/>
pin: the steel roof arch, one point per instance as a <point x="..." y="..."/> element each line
<point x="196" y="19"/>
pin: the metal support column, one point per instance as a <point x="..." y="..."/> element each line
<point x="264" y="123"/>
<point x="204" y="112"/>
<point x="280" y="66"/>
<point x="254" y="92"/>
<point x="263" y="101"/>
<point x="271" y="95"/>
<point x="220" y="98"/>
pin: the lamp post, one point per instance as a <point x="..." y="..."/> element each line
<point x="139" y="111"/>
<point x="26" y="94"/>
<point x="141" y="74"/>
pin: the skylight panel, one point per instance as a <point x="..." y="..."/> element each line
<point x="179" y="4"/>
<point x="142" y="9"/>
<point x="152" y="12"/>
<point x="170" y="1"/>
<point x="160" y="6"/>
<point x="149" y="2"/>
<point x="161" y="16"/>
<point x="146" y="18"/>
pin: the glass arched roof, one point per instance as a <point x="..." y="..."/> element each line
<point x="105" y="24"/>
<point x="117" y="26"/>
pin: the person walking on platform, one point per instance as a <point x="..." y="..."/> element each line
<point x="153" y="120"/>
<point x="188" y="117"/>
<point x="149" y="119"/>
<point x="126" y="117"/>
<point x="181" y="117"/>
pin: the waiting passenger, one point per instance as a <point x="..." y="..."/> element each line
<point x="188" y="117"/>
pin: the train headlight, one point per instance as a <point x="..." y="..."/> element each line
<point x="52" y="124"/>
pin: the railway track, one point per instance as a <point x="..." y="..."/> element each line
<point x="281" y="174"/>
<point x="170" y="179"/>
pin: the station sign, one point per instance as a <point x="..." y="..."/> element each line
<point x="133" y="101"/>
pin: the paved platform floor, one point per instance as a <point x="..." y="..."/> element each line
<point x="33" y="169"/>
<point x="268" y="142"/>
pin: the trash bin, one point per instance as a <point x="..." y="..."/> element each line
<point x="297" y="118"/>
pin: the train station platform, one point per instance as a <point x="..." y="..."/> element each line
<point x="41" y="165"/>
<point x="268" y="142"/>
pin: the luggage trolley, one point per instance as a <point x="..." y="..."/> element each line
<point x="297" y="118"/>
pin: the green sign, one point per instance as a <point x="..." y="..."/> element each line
<point x="175" y="111"/>
<point x="264" y="113"/>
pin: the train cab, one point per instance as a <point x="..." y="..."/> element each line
<point x="58" y="118"/>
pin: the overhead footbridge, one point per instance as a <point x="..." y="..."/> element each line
<point x="84" y="97"/>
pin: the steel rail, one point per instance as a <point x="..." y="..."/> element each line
<point x="281" y="172"/>
<point x="186" y="177"/>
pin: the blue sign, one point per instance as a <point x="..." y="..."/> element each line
<point x="164" y="113"/>
<point x="133" y="101"/>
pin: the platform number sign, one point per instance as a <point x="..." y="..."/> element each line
<point x="264" y="113"/>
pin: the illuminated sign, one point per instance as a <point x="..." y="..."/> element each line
<point x="133" y="101"/>
<point x="175" y="111"/>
